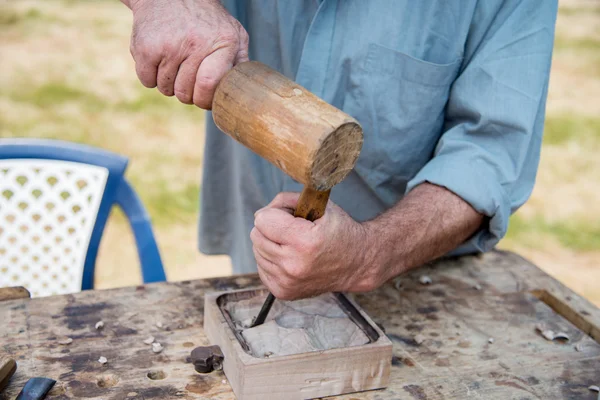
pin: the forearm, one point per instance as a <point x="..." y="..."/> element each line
<point x="428" y="223"/>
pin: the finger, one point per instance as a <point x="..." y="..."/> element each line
<point x="269" y="249"/>
<point x="242" y="54"/>
<point x="286" y="201"/>
<point x="210" y="72"/>
<point x="279" y="226"/>
<point x="186" y="78"/>
<point x="271" y="280"/>
<point x="265" y="266"/>
<point x="146" y="71"/>
<point x="165" y="79"/>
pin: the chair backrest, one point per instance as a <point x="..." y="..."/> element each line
<point x="55" y="198"/>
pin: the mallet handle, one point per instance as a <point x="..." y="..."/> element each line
<point x="311" y="204"/>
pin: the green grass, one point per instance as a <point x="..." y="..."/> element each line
<point x="167" y="205"/>
<point x="587" y="44"/>
<point x="52" y="94"/>
<point x="575" y="234"/>
<point x="560" y="129"/>
<point x="568" y="11"/>
<point x="12" y="17"/>
<point x="152" y="101"/>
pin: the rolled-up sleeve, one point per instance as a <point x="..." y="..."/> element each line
<point x="489" y="151"/>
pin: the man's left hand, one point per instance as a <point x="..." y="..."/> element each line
<point x="297" y="258"/>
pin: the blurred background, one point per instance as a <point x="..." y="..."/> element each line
<point x="66" y="73"/>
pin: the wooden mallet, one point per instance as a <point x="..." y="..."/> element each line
<point x="310" y="140"/>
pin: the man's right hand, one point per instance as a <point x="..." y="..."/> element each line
<point x="184" y="47"/>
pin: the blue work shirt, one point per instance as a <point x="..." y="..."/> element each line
<point x="447" y="92"/>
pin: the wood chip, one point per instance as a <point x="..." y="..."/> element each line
<point x="491" y="340"/>
<point x="157" y="347"/>
<point x="549" y="334"/>
<point x="579" y="347"/>
<point x="425" y="280"/>
<point x="159" y="324"/>
<point x="561" y="336"/>
<point x="99" y="325"/>
<point x="594" y="388"/>
<point x="477" y="287"/>
<point x="65" y="341"/>
<point x="102" y="360"/>
<point x="150" y="340"/>
<point x="223" y="381"/>
<point x="419" y="339"/>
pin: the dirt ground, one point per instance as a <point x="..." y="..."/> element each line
<point x="66" y="73"/>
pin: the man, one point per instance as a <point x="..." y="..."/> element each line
<point x="451" y="96"/>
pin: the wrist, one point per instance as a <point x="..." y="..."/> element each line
<point x="385" y="252"/>
<point x="370" y="258"/>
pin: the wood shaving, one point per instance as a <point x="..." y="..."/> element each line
<point x="579" y="347"/>
<point x="491" y="340"/>
<point x="65" y="341"/>
<point x="594" y="388"/>
<point x="149" y="340"/>
<point x="157" y="347"/>
<point x="99" y="325"/>
<point x="425" y="280"/>
<point x="419" y="339"/>
<point x="549" y="334"/>
<point x="102" y="360"/>
<point x="561" y="336"/>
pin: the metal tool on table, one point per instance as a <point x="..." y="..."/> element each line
<point x="36" y="389"/>
<point x="309" y="139"/>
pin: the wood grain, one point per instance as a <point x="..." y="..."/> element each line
<point x="311" y="204"/>
<point x="310" y="140"/>
<point x="298" y="376"/>
<point x="454" y="361"/>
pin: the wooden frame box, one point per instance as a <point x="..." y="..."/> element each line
<point x="298" y="376"/>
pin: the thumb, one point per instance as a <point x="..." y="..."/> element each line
<point x="286" y="201"/>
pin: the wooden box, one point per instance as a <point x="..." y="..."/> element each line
<point x="298" y="376"/>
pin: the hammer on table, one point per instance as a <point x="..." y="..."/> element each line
<point x="310" y="140"/>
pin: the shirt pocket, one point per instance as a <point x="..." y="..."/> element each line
<point x="399" y="101"/>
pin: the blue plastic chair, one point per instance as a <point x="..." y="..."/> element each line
<point x="50" y="192"/>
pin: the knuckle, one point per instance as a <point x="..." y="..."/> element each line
<point x="309" y="245"/>
<point x="183" y="96"/>
<point x="165" y="90"/>
<point x="279" y="292"/>
<point x="295" y="271"/>
<point x="254" y="235"/>
<point x="207" y="82"/>
<point x="227" y="37"/>
<point x="202" y="102"/>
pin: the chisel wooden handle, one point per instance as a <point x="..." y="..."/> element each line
<point x="311" y="204"/>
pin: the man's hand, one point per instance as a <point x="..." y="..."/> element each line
<point x="297" y="258"/>
<point x="184" y="47"/>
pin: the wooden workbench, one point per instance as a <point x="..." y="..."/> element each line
<point x="454" y="319"/>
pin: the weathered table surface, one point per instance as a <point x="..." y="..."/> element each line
<point x="456" y="320"/>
